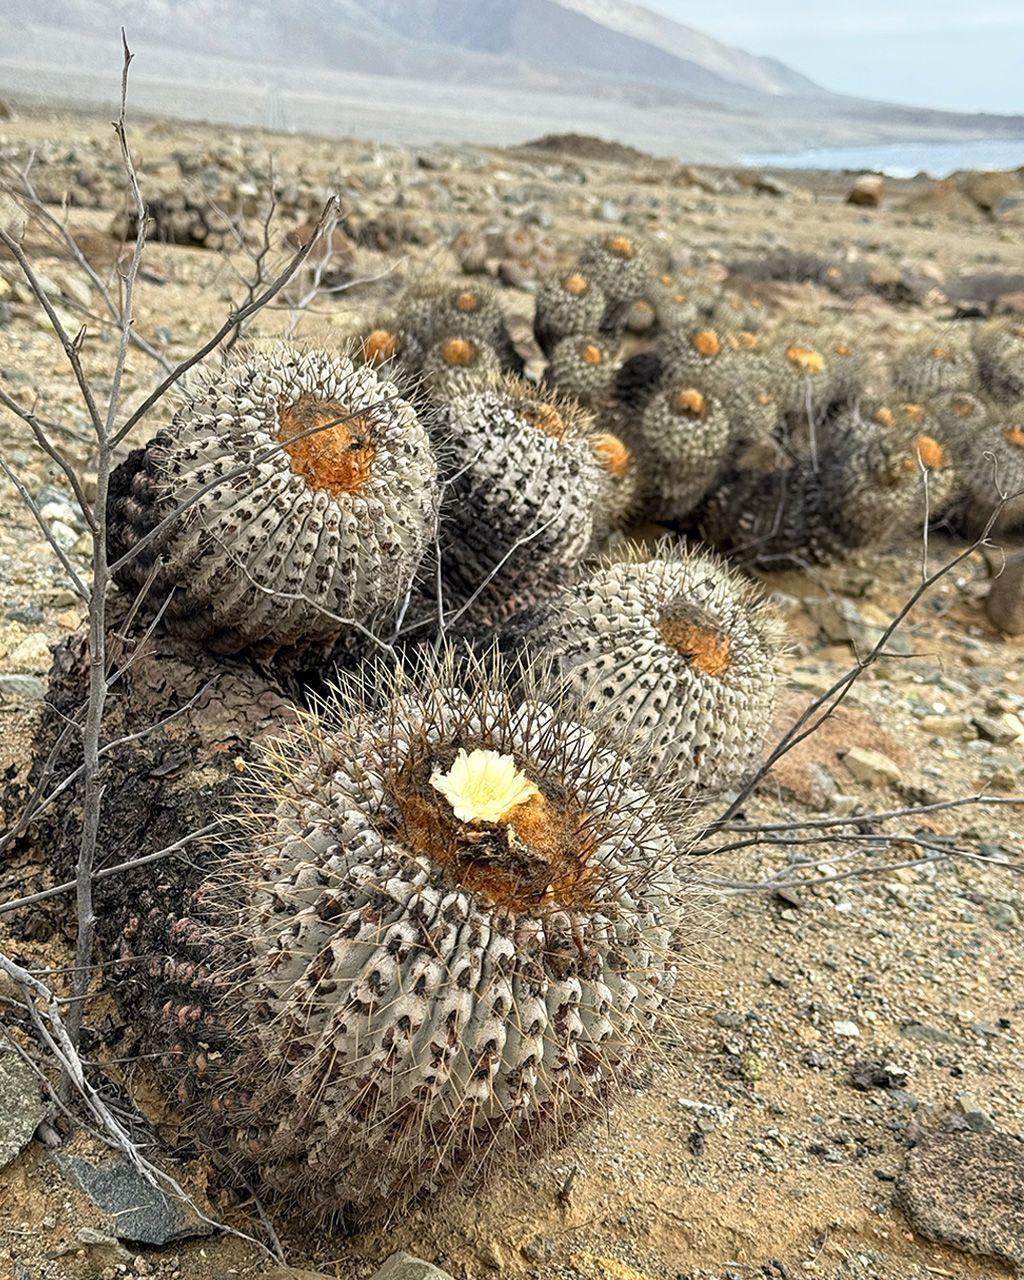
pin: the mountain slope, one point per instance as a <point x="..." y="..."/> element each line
<point x="470" y="39"/>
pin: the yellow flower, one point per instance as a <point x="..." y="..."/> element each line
<point x="483" y="786"/>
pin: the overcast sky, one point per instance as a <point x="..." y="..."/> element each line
<point x="965" y="54"/>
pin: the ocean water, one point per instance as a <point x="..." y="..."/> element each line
<point x="902" y="159"/>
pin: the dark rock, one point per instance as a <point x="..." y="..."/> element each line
<point x="22" y="1107"/>
<point x="538" y="1249"/>
<point x="877" y="1075"/>
<point x="29" y="615"/>
<point x="967" y="1190"/>
<point x="142" y="1213"/>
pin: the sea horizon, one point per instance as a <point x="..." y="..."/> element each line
<point x="900" y="159"/>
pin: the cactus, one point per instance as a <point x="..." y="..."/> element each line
<point x="847" y="369"/>
<point x="567" y="305"/>
<point x="457" y="365"/>
<point x="619" y="484"/>
<point x="999" y="350"/>
<point x="524" y="489"/>
<point x="448" y="935"/>
<point x="864" y="488"/>
<point x="800" y="375"/>
<point x="619" y="265"/>
<point x="306" y="488"/>
<point x="432" y="312"/>
<point x="584" y="367"/>
<point x="678" y="654"/>
<point x="683" y="440"/>
<point x="693" y="352"/>
<point x="989" y="463"/>
<point x="932" y="368"/>
<point x="182" y="728"/>
<point x="641" y="317"/>
<point x="675" y="307"/>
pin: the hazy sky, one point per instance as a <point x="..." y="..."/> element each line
<point x="965" y="54"/>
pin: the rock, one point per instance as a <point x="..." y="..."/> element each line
<point x="33" y="654"/>
<point x="967" y="1190"/>
<point x="998" y="729"/>
<point x="289" y="1273"/>
<point x="593" y="1267"/>
<point x="871" y="767"/>
<point x="5" y="110"/>
<point x="142" y="1213"/>
<point x="945" y="199"/>
<point x="867" y="191"/>
<point x="876" y="1075"/>
<point x="974" y="1116"/>
<point x="989" y="189"/>
<point x="924" y="1034"/>
<point x="843" y="622"/>
<point x="1009" y="210"/>
<point x="403" y="1266"/>
<point x="539" y="1249"/>
<point x="948" y="726"/>
<point x="1003" y="915"/>
<point x="15" y="688"/>
<point x="846" y="1030"/>
<point x="22" y="1107"/>
<point x="1005" y="602"/>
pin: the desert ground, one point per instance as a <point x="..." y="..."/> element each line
<point x="847" y="1000"/>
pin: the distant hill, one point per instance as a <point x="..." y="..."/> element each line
<point x="608" y="38"/>
<point x="448" y="70"/>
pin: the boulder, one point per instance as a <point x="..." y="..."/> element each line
<point x="867" y="191"/>
<point x="966" y="1190"/>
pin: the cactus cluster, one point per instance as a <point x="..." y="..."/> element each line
<point x="449" y="920"/>
<point x="444" y="917"/>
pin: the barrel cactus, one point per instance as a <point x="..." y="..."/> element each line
<point x="683" y="437"/>
<point x="524" y="488"/>
<point x="456" y="365"/>
<point x="293" y="493"/>
<point x="584" y="366"/>
<point x="999" y="350"/>
<point x="679" y="655"/>
<point x="567" y="304"/>
<point x="989" y="462"/>
<point x="448" y="932"/>
<point x="931" y="368"/>
<point x="862" y="490"/>
<point x="619" y="265"/>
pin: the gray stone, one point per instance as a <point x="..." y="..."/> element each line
<point x="18" y="688"/>
<point x="142" y="1213"/>
<point x="403" y="1266"/>
<point x="22" y="1107"/>
<point x="967" y="1190"/>
<point x="1003" y="915"/>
